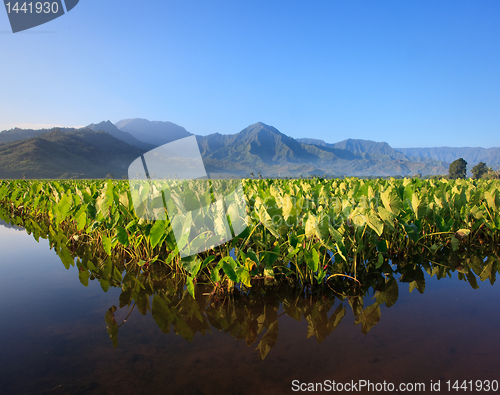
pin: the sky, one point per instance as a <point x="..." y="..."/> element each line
<point x="410" y="73"/>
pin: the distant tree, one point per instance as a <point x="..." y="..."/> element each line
<point x="458" y="169"/>
<point x="479" y="170"/>
<point x="110" y="176"/>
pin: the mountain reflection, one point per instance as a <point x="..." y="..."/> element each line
<point x="253" y="314"/>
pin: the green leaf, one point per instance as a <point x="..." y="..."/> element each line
<point x="157" y="232"/>
<point x="162" y="314"/>
<point x="81" y="221"/>
<point x="389" y="294"/>
<point x="375" y="223"/>
<point x="112" y="327"/>
<point x="190" y="285"/>
<point x="66" y="257"/>
<point x="84" y="277"/>
<point x="315" y="257"/>
<point x="122" y="236"/>
<point x="391" y="201"/>
<point x="106" y="243"/>
<point x="63" y="208"/>
<point x="228" y="266"/>
<point x="368" y="318"/>
<point x="191" y="264"/>
<point x="268" y="341"/>
<point x="243" y="276"/>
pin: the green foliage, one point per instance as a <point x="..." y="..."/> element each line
<point x="308" y="230"/>
<point x="479" y="170"/>
<point x="458" y="169"/>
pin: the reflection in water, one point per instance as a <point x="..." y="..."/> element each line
<point x="253" y="314"/>
<point x="11" y="226"/>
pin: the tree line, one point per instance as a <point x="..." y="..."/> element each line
<point x="458" y="169"/>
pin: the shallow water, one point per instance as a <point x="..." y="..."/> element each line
<point x="54" y="340"/>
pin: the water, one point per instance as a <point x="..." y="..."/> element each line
<point x="54" y="339"/>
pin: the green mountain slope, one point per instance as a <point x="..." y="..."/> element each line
<point x="262" y="148"/>
<point x="54" y="154"/>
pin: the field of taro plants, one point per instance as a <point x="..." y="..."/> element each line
<point x="339" y="235"/>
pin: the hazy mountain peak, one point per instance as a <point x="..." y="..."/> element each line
<point x="153" y="132"/>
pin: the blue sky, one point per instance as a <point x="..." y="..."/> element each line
<point x="413" y="74"/>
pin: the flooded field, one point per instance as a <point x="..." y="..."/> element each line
<point x="55" y="336"/>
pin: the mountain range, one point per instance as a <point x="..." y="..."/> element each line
<point x="105" y="148"/>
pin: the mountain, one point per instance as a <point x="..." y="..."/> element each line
<point x="17" y="134"/>
<point x="83" y="153"/>
<point x="110" y="128"/>
<point x="262" y="148"/>
<point x="156" y="133"/>
<point x="105" y="148"/>
<point x="472" y="155"/>
<point x="366" y="148"/>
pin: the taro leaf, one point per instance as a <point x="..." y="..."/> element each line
<point x="190" y="285"/>
<point x="157" y="231"/>
<point x="314" y="264"/>
<point x="106" y="243"/>
<point x="380" y="260"/>
<point x="124" y="200"/>
<point x="268" y="340"/>
<point x="386" y="216"/>
<point x="336" y="235"/>
<point x="462" y="234"/>
<point x="252" y="332"/>
<point x="125" y="298"/>
<point x="412" y="232"/>
<point x="268" y="272"/>
<point x="419" y="284"/>
<point x="391" y="201"/>
<point x="267" y="221"/>
<point x="208" y="260"/>
<point x="382" y="245"/>
<point x="472" y="280"/>
<point x="253" y="256"/>
<point x="161" y="314"/>
<point x="454" y="243"/>
<point x="66" y="257"/>
<point x="336" y="317"/>
<point x="191" y="265"/>
<point x="83" y="275"/>
<point x="228" y="265"/>
<point x="117" y="275"/>
<point x="112" y="327"/>
<point x="375" y="223"/>
<point x="81" y="221"/>
<point x="356" y="305"/>
<point x="389" y="294"/>
<point x="122" y="236"/>
<point x="487" y="271"/>
<point x="311" y="224"/>
<point x="104" y="284"/>
<point x="269" y="256"/>
<point x="243" y="276"/>
<point x="490" y="198"/>
<point x="63" y="207"/>
<point x="368" y="318"/>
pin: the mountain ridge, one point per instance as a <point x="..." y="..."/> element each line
<point x="258" y="148"/>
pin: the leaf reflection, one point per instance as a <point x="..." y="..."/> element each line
<point x="253" y="314"/>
